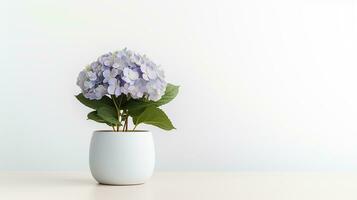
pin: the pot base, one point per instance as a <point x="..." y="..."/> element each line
<point x="133" y="184"/>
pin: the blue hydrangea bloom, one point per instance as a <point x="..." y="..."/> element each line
<point x="122" y="72"/>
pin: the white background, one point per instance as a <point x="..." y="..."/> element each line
<point x="265" y="85"/>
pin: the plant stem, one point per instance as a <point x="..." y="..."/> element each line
<point x="113" y="128"/>
<point x="126" y="122"/>
<point x="125" y="126"/>
<point x="118" y="108"/>
<point x="135" y="127"/>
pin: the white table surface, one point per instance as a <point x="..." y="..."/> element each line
<point x="182" y="186"/>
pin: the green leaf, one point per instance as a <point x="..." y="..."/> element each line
<point x="94" y="116"/>
<point x="154" y="116"/>
<point x="170" y="93"/>
<point x="135" y="112"/>
<point x="108" y="114"/>
<point x="105" y="101"/>
<point x="136" y="107"/>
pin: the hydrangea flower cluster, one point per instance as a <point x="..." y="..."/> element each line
<point x="122" y="72"/>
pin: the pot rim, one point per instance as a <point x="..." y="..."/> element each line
<point x="122" y="132"/>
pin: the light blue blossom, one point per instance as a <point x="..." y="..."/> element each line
<point x="122" y="72"/>
<point x="96" y="93"/>
<point x="89" y="85"/>
<point x="156" y="89"/>
<point x="136" y="90"/>
<point x="130" y="75"/>
<point x="81" y="78"/>
<point x="106" y="60"/>
<point x="149" y="72"/>
<point x="108" y="74"/>
<point x="100" y="91"/>
<point x="96" y="67"/>
<point x="92" y="76"/>
<point x="114" y="87"/>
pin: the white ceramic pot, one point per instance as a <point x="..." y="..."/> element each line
<point x="122" y="158"/>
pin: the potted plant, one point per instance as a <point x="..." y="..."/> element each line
<point x="119" y="86"/>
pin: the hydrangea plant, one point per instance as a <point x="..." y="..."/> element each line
<point x="126" y="84"/>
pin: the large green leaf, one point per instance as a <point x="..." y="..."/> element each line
<point x="108" y="114"/>
<point x="94" y="116"/>
<point x="105" y="101"/>
<point x="137" y="106"/>
<point x="154" y="116"/>
<point x="136" y="112"/>
<point x="170" y="93"/>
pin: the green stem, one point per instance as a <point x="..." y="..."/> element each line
<point x="135" y="127"/>
<point x="118" y="108"/>
<point x="125" y="126"/>
<point x="126" y="121"/>
<point x="123" y="123"/>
